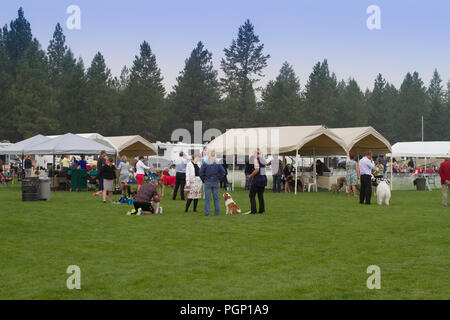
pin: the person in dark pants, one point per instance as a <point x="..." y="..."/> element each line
<point x="258" y="182"/>
<point x="101" y="162"/>
<point x="366" y="166"/>
<point x="277" y="171"/>
<point x="180" y="177"/>
<point x="248" y="171"/>
<point x="224" y="180"/>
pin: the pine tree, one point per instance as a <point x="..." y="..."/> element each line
<point x="56" y="52"/>
<point x="435" y="119"/>
<point x="144" y="96"/>
<point x="18" y="38"/>
<point x="243" y="64"/>
<point x="412" y="105"/>
<point x="196" y="96"/>
<point x="351" y="110"/>
<point x="101" y="98"/>
<point x="381" y="107"/>
<point x="281" y="99"/>
<point x="321" y="96"/>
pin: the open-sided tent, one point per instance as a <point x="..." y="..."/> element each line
<point x="92" y="136"/>
<point x="362" y="139"/>
<point x="133" y="146"/>
<point x="421" y="149"/>
<point x="287" y="140"/>
<point x="69" y="144"/>
<point x="22" y="146"/>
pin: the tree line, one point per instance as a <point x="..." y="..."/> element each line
<point x="52" y="92"/>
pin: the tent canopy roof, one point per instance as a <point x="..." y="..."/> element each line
<point x="133" y="146"/>
<point x="421" y="149"/>
<point x="69" y="144"/>
<point x="22" y="146"/>
<point x="92" y="136"/>
<point x="362" y="139"/>
<point x="286" y="140"/>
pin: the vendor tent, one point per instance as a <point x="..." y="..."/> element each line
<point x="69" y="144"/>
<point x="362" y="139"/>
<point x="22" y="146"/>
<point x="288" y="140"/>
<point x="92" y="136"/>
<point x="421" y="149"/>
<point x="133" y="146"/>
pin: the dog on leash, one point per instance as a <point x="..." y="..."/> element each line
<point x="231" y="206"/>
<point x="382" y="191"/>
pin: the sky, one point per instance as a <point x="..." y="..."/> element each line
<point x="414" y="35"/>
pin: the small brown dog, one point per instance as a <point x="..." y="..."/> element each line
<point x="336" y="187"/>
<point x="231" y="206"/>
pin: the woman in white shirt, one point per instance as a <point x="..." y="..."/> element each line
<point x="140" y="171"/>
<point x="193" y="182"/>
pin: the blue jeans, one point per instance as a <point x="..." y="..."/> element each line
<point x="214" y="188"/>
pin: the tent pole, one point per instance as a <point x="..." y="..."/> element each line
<point x="234" y="160"/>
<point x="392" y="171"/>
<point x="315" y="167"/>
<point x="296" y="170"/>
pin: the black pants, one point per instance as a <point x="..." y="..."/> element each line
<point x="254" y="190"/>
<point x="145" y="206"/>
<point x="366" y="189"/>
<point x="180" y="181"/>
<point x="224" y="182"/>
<point x="188" y="204"/>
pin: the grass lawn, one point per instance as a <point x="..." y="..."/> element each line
<point x="309" y="246"/>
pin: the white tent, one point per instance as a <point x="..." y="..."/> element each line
<point x="92" y="136"/>
<point x="69" y="144"/>
<point x="421" y="149"/>
<point x="362" y="139"/>
<point x="22" y="146"/>
<point x="288" y="140"/>
<point x="132" y="146"/>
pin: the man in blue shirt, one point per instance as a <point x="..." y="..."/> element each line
<point x="211" y="173"/>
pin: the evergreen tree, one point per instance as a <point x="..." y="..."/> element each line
<point x="351" y="108"/>
<point x="18" y="38"/>
<point x="101" y="98"/>
<point x="412" y="105"/>
<point x="144" y="96"/>
<point x="56" y="52"/>
<point x="281" y="99"/>
<point x="381" y="107"/>
<point x="196" y="95"/>
<point x="321" y="96"/>
<point x="436" y="119"/>
<point x="243" y="64"/>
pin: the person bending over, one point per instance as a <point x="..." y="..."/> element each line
<point x="146" y="200"/>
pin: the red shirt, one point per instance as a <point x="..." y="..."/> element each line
<point x="444" y="171"/>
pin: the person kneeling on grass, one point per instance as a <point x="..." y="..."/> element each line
<point x="146" y="200"/>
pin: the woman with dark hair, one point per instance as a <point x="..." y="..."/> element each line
<point x="108" y="175"/>
<point x="352" y="172"/>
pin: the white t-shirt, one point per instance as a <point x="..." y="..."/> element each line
<point x="141" y="167"/>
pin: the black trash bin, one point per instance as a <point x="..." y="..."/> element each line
<point x="30" y="189"/>
<point x="421" y="183"/>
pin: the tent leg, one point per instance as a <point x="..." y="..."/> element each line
<point x="296" y="170"/>
<point x="234" y="160"/>
<point x="315" y="169"/>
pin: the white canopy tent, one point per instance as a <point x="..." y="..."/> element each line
<point x="133" y="146"/>
<point x="289" y="140"/>
<point x="362" y="139"/>
<point x="68" y="144"/>
<point x="92" y="136"/>
<point x="22" y="146"/>
<point x="421" y="149"/>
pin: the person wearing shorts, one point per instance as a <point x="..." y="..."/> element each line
<point x="140" y="171"/>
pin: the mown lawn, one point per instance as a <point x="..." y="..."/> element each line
<point x="309" y="246"/>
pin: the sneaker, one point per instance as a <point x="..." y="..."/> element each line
<point x="139" y="212"/>
<point x="131" y="212"/>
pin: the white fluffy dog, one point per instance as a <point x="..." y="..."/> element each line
<point x="383" y="192"/>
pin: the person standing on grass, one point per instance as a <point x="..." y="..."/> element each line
<point x="444" y="172"/>
<point x="366" y="166"/>
<point x="108" y="175"/>
<point x="28" y="167"/>
<point x="258" y="182"/>
<point x="101" y="162"/>
<point x="211" y="172"/>
<point x="124" y="174"/>
<point x="193" y="182"/>
<point x="140" y="171"/>
<point x="277" y="171"/>
<point x="352" y="172"/>
<point x="180" y="177"/>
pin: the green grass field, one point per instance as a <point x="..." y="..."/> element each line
<point x="309" y="246"/>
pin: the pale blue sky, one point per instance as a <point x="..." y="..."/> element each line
<point x="414" y="35"/>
